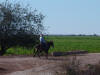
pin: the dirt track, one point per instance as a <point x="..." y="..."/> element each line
<point x="35" y="66"/>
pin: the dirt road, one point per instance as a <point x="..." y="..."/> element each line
<point x="34" y="66"/>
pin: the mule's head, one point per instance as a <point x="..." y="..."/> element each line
<point x="51" y="43"/>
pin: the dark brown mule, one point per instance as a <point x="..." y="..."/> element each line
<point x="39" y="48"/>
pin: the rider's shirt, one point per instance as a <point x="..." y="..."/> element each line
<point x="42" y="40"/>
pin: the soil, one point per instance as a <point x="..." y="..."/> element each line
<point x="28" y="65"/>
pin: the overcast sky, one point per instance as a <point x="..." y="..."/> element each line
<point x="68" y="16"/>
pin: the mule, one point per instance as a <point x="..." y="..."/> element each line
<point x="43" y="48"/>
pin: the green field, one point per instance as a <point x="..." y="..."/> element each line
<point x="66" y="43"/>
<point x="69" y="43"/>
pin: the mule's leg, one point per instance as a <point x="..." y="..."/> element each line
<point x="35" y="52"/>
<point x="38" y="53"/>
<point x="46" y="54"/>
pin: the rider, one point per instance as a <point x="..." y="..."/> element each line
<point x="42" y="40"/>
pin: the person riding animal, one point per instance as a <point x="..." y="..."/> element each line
<point x="43" y="46"/>
<point x="42" y="42"/>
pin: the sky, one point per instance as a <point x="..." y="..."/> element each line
<point x="68" y="16"/>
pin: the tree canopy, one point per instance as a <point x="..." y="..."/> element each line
<point x="19" y="26"/>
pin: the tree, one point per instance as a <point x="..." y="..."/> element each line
<point x="18" y="26"/>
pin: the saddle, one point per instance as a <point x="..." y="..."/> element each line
<point x="43" y="45"/>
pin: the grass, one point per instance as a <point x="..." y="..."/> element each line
<point x="19" y="51"/>
<point x="66" y="43"/>
<point x="70" y="43"/>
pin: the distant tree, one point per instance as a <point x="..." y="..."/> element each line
<point x="95" y="35"/>
<point x="19" y="26"/>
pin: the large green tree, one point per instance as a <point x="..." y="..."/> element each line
<point x="19" y="26"/>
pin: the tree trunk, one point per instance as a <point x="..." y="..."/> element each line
<point x="2" y="52"/>
<point x="3" y="49"/>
